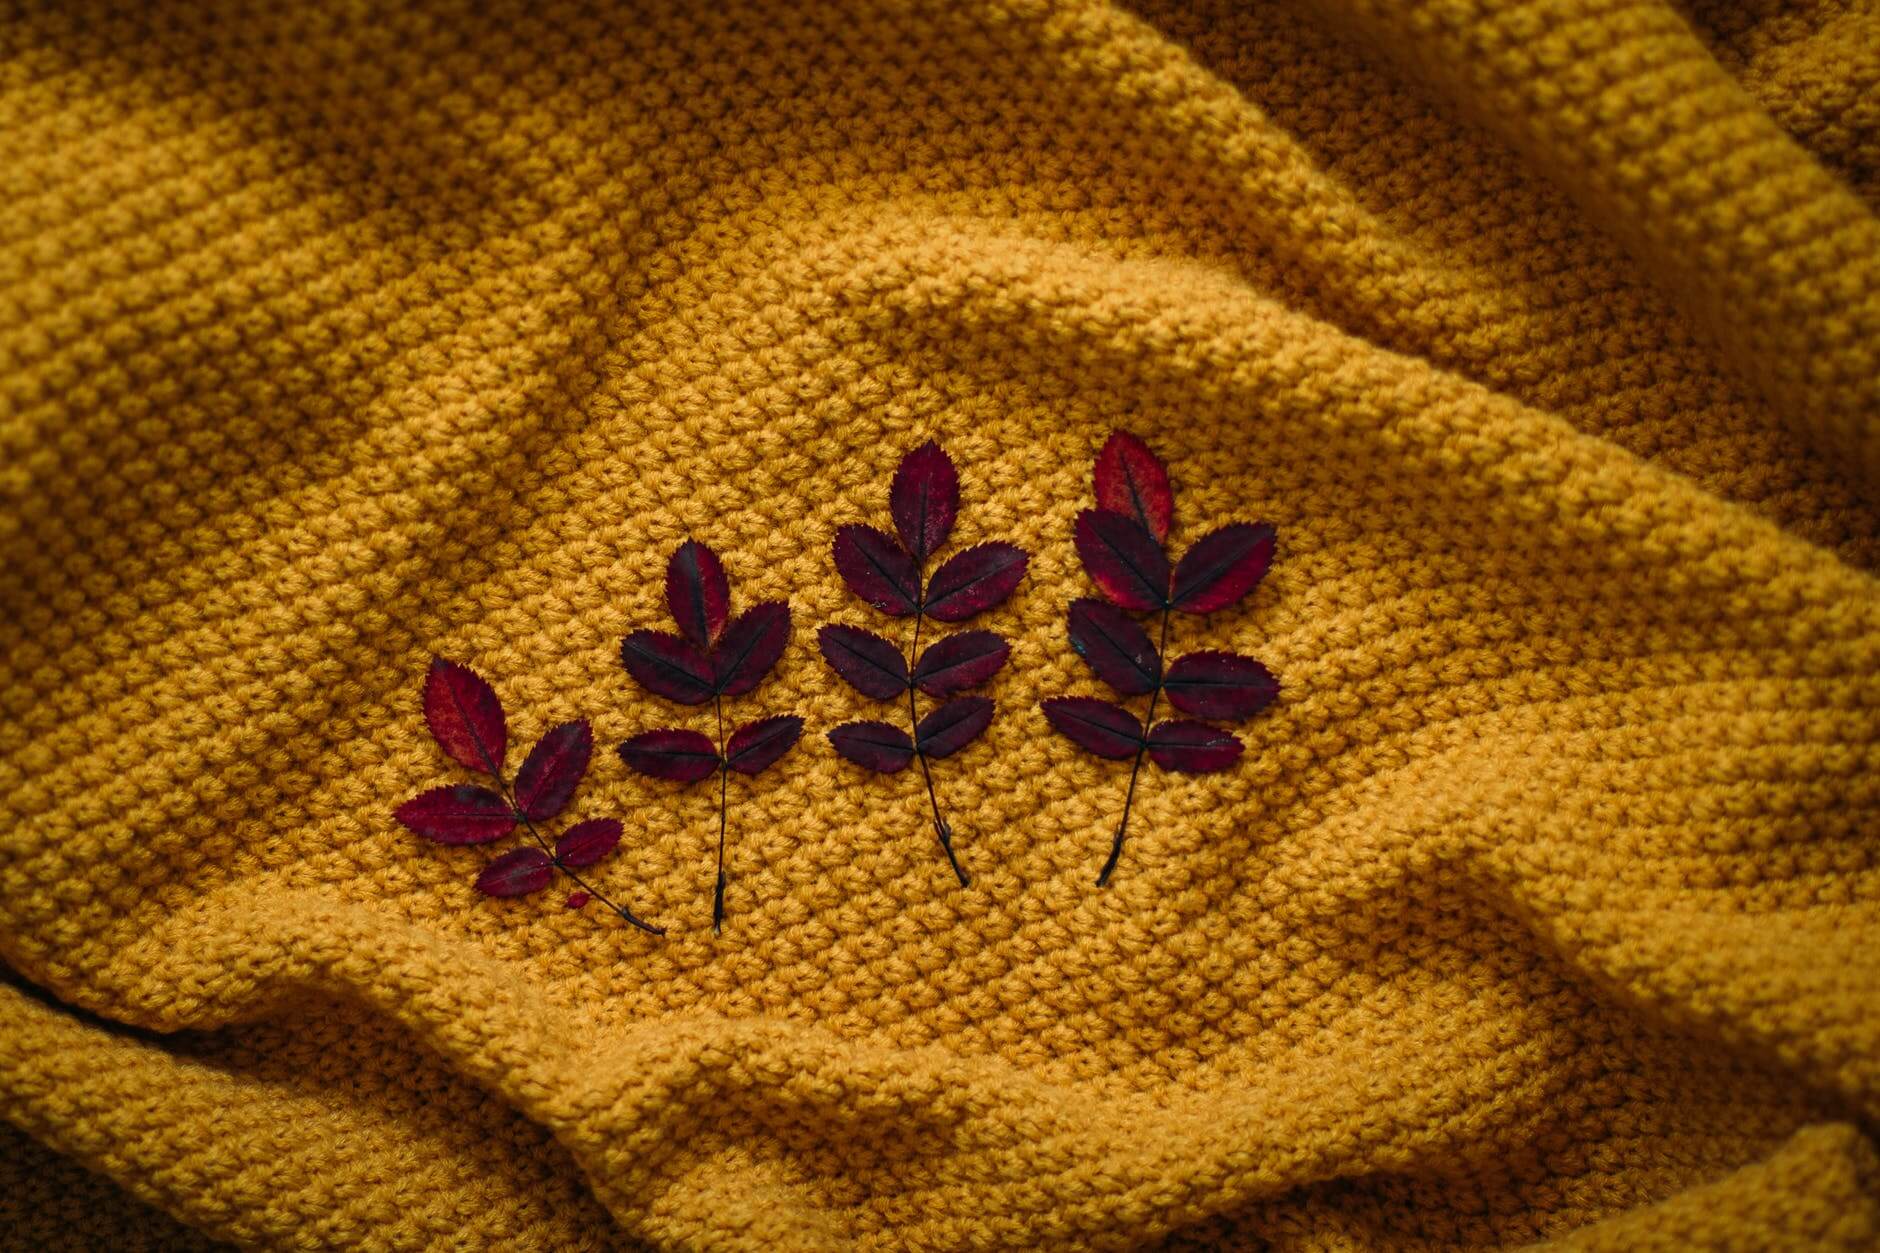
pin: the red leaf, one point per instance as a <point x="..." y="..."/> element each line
<point x="578" y="900"/>
<point x="871" y="664"/>
<point x="953" y="726"/>
<point x="750" y="647"/>
<point x="585" y="843"/>
<point x="1223" y="686"/>
<point x="756" y="745"/>
<point x="924" y="499"/>
<point x="1223" y="566"/>
<point x="1132" y="481"/>
<point x="1095" y="725"/>
<point x="1116" y="647"/>
<point x="668" y="666"/>
<point x="975" y="580"/>
<point x="684" y="756"/>
<point x="876" y="745"/>
<point x="960" y="662"/>
<point x="1192" y="747"/>
<point x="517" y="874"/>
<point x="553" y="769"/>
<point x="697" y="592"/>
<point x="461" y="813"/>
<point x="465" y="716"/>
<point x="877" y="569"/>
<point x="1124" y="560"/>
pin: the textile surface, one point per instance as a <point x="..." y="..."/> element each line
<point x="1543" y="908"/>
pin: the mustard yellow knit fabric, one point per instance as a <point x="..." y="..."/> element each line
<point x="1543" y="909"/>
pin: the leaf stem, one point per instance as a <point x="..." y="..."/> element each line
<point x="724" y="780"/>
<point x="940" y="827"/>
<point x="1129" y="797"/>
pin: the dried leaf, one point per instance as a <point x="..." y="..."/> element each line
<point x="553" y="769"/>
<point x="585" y="843"/>
<point x="1192" y="747"/>
<point x="668" y="666"/>
<point x="953" y="726"/>
<point x="877" y="569"/>
<point x="1223" y="686"/>
<point x="974" y="581"/>
<point x="876" y="745"/>
<point x="518" y="873"/>
<point x="1223" y="566"/>
<point x="1124" y="560"/>
<point x="924" y="499"/>
<point x="1132" y="481"/>
<point x="669" y="753"/>
<point x="754" y="746"/>
<point x="697" y="592"/>
<point x="871" y="664"/>
<point x="465" y="716"/>
<point x="750" y="647"/>
<point x="1116" y="647"/>
<point x="577" y="900"/>
<point x="1095" y="725"/>
<point x="960" y="662"/>
<point x="461" y="813"/>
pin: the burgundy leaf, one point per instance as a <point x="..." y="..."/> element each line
<point x="953" y="726"/>
<point x="684" y="756"/>
<point x="878" y="569"/>
<point x="876" y="745"/>
<point x="975" y="580"/>
<point x="668" y="666"/>
<point x="750" y="647"/>
<point x="465" y="716"/>
<point x="585" y="843"/>
<point x="1223" y="566"/>
<point x="1132" y="481"/>
<point x="873" y="665"/>
<point x="697" y="592"/>
<point x="959" y="662"/>
<point x="1096" y="725"/>
<point x="756" y="745"/>
<point x="577" y="900"/>
<point x="924" y="499"/>
<point x="1223" y="686"/>
<point x="1192" y="747"/>
<point x="461" y="813"/>
<point x="1124" y="560"/>
<point x="1116" y="647"/>
<point x="517" y="874"/>
<point x="553" y="769"/>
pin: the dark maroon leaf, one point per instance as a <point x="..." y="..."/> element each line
<point x="585" y="843"/>
<point x="1096" y="725"/>
<point x="1132" y="481"/>
<point x="517" y="874"/>
<point x="668" y="666"/>
<point x="1223" y="566"/>
<point x="465" y="716"/>
<point x="553" y="769"/>
<point x="461" y="813"/>
<point x="1223" y="686"/>
<point x="697" y="592"/>
<point x="876" y="745"/>
<point x="959" y="662"/>
<point x="756" y="745"/>
<point x="684" y="756"/>
<point x="1192" y="747"/>
<point x="873" y="665"/>
<point x="953" y="726"/>
<point x="878" y="569"/>
<point x="577" y="900"/>
<point x="1124" y="560"/>
<point x="974" y="581"/>
<point x="924" y="499"/>
<point x="750" y="647"/>
<point x="1116" y="647"/>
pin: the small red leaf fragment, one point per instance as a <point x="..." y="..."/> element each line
<point x="1131" y="480"/>
<point x="924" y="499"/>
<point x="461" y="813"/>
<point x="1096" y="726"/>
<point x="975" y="580"/>
<point x="1116" y="647"/>
<point x="697" y="592"/>
<point x="872" y="665"/>
<point x="585" y="843"/>
<point x="1224" y="686"/>
<point x="750" y="646"/>
<point x="1123" y="560"/>
<point x="1192" y="747"/>
<point x="1223" y="567"/>
<point x="465" y="716"/>
<point x="577" y="900"/>
<point x="877" y="569"/>
<point x="960" y="662"/>
<point x="553" y="769"/>
<point x="683" y="756"/>
<point x="876" y="745"/>
<point x="668" y="666"/>
<point x="953" y="726"/>
<point x="518" y="873"/>
<point x="756" y="745"/>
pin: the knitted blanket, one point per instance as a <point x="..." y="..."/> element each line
<point x="1542" y="905"/>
